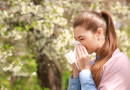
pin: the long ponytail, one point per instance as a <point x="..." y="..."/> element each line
<point x="107" y="49"/>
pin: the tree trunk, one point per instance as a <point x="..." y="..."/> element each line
<point x="49" y="73"/>
<point x="37" y="2"/>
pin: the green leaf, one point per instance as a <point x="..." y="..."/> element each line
<point x="27" y="27"/>
<point x="20" y="28"/>
<point x="34" y="24"/>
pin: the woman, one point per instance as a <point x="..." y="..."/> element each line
<point x="110" y="70"/>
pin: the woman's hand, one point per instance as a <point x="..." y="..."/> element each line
<point x="83" y="58"/>
<point x="75" y="70"/>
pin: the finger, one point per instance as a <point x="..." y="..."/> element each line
<point x="84" y="50"/>
<point x="78" y="51"/>
<point x="73" y="65"/>
<point x="81" y="51"/>
<point x="77" y="56"/>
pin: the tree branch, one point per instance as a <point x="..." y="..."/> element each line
<point x="24" y="15"/>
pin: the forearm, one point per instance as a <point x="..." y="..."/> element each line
<point x="87" y="82"/>
<point x="75" y="74"/>
<point x="74" y="84"/>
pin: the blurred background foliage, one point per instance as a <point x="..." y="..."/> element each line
<point x="36" y="34"/>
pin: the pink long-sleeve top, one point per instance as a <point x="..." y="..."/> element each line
<point x="116" y="73"/>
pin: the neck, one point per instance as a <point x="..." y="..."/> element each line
<point x="98" y="52"/>
<point x="99" y="48"/>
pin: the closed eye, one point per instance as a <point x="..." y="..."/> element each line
<point x="81" y="39"/>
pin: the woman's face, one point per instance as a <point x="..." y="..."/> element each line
<point x="90" y="40"/>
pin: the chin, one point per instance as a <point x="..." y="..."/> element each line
<point x="89" y="52"/>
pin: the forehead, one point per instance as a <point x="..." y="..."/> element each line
<point x="79" y="31"/>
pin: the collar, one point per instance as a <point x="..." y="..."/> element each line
<point x="115" y="52"/>
<point x="97" y="57"/>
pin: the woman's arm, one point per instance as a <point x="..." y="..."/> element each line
<point x="76" y="77"/>
<point x="74" y="82"/>
<point x="83" y="59"/>
<point x="83" y="82"/>
<point x="86" y="80"/>
<point x="85" y="76"/>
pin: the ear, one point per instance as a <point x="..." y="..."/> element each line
<point x="99" y="33"/>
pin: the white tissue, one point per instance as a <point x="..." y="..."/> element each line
<point x="71" y="56"/>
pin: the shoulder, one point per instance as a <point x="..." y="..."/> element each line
<point x="119" y="58"/>
<point x="119" y="62"/>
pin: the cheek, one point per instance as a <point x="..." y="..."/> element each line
<point x="90" y="45"/>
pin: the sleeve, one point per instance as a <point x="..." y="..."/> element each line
<point x="74" y="84"/>
<point x="116" y="75"/>
<point x="87" y="82"/>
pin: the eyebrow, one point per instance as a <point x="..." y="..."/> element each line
<point x="78" y="37"/>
